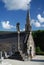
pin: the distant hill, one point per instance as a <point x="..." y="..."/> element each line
<point x="6" y="32"/>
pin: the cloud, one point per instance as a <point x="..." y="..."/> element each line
<point x="35" y="23"/>
<point x="22" y="29"/>
<point x="6" y="25"/>
<point x="39" y="22"/>
<point x="16" y="4"/>
<point x="32" y="21"/>
<point x="40" y="18"/>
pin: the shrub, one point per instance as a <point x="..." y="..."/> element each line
<point x="38" y="49"/>
<point x="39" y="53"/>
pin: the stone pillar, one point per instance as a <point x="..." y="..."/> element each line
<point x="0" y="54"/>
<point x="18" y="30"/>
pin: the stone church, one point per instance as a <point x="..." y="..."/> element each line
<point x="19" y="41"/>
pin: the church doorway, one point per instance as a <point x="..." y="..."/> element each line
<point x="30" y="53"/>
<point x="30" y="50"/>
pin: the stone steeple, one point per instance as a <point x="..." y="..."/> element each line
<point x="27" y="26"/>
<point x="29" y="39"/>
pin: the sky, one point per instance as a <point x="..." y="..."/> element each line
<point x="13" y="11"/>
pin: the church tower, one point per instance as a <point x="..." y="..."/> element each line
<point x="29" y="38"/>
<point x="28" y="25"/>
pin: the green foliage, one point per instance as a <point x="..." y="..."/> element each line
<point x="38" y="49"/>
<point x="40" y="53"/>
<point x="38" y="37"/>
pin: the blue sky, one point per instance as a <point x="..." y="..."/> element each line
<point x="13" y="11"/>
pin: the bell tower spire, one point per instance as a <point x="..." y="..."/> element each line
<point x="28" y="25"/>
